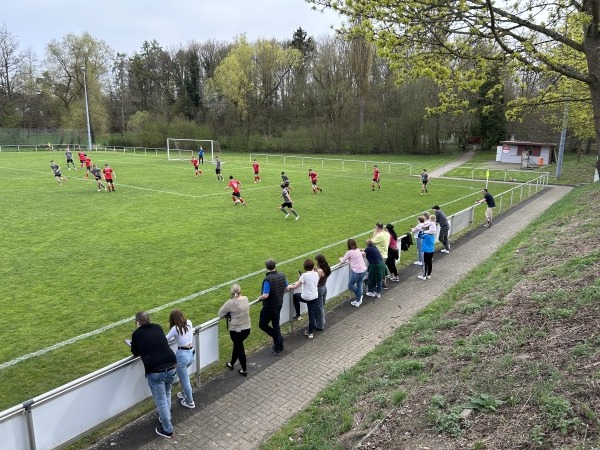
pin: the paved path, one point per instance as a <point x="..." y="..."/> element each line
<point x="440" y="171"/>
<point x="238" y="413"/>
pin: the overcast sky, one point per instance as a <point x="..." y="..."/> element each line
<point x="126" y="24"/>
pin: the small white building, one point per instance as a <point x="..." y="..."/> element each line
<point x="528" y="154"/>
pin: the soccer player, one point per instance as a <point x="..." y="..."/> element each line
<point x="218" y="169"/>
<point x="69" y="156"/>
<point x="256" y="168"/>
<point x="236" y="195"/>
<point x="201" y="155"/>
<point x="195" y="162"/>
<point x="424" y="181"/>
<point x="287" y="202"/>
<point x="286" y="181"/>
<point x="98" y="177"/>
<point x="56" y="170"/>
<point x="375" y="178"/>
<point x="109" y="176"/>
<point x="313" y="179"/>
<point x="88" y="165"/>
<point x="81" y="158"/>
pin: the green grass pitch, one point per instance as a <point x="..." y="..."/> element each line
<point x="77" y="262"/>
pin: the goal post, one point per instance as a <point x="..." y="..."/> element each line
<point x="184" y="149"/>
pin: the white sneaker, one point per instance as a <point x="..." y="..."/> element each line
<point x="371" y="294"/>
<point x="180" y="395"/>
<point x="445" y="251"/>
<point x="418" y="263"/>
<point x="286" y="216"/>
<point x="297" y="217"/>
<point x="377" y="295"/>
<point x="428" y="277"/>
<point x="191" y="405"/>
<point x="355" y="303"/>
<point x="421" y="277"/>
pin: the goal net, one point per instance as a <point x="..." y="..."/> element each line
<point x="184" y="149"/>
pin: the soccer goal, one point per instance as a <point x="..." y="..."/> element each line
<point x="184" y="149"/>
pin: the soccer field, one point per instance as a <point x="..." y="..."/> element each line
<point x="78" y="263"/>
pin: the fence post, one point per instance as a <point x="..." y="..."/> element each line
<point x="30" y="429"/>
<point x="197" y="359"/>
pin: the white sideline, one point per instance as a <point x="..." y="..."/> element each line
<point x="167" y="305"/>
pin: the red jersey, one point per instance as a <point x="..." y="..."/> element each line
<point x="108" y="173"/>
<point x="235" y="185"/>
<point x="81" y="156"/>
<point x="376" y="173"/>
<point x="195" y="162"/>
<point x="88" y="161"/>
<point x="256" y="167"/>
<point x="313" y="176"/>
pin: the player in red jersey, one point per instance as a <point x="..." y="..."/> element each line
<point x="88" y="165"/>
<point x="375" y="178"/>
<point x="109" y="176"/>
<point x="81" y="158"/>
<point x="256" y="168"/>
<point x="195" y="163"/>
<point x="235" y="196"/>
<point x="313" y="179"/>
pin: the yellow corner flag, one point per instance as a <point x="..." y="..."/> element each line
<point x="487" y="174"/>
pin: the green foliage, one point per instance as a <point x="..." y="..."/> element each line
<point x="483" y="402"/>
<point x="558" y="413"/>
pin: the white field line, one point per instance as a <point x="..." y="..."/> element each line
<point x="110" y="326"/>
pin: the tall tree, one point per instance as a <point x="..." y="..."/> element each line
<point x="70" y="60"/>
<point x="420" y="37"/>
<point x="12" y="70"/>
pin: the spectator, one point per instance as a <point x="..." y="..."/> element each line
<point x="309" y="295"/>
<point x="491" y="204"/>
<point x="182" y="331"/>
<point x="376" y="269"/>
<point x="418" y="234"/>
<point x="358" y="270"/>
<point x="273" y="288"/>
<point x="148" y="342"/>
<point x="428" y="246"/>
<point x="381" y="240"/>
<point x="323" y="270"/>
<point x="393" y="253"/>
<point x="238" y="308"/>
<point x="442" y="221"/>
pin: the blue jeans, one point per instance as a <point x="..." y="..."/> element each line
<point x="185" y="358"/>
<point x="320" y="316"/>
<point x="160" y="384"/>
<point x="419" y="250"/>
<point x="355" y="283"/>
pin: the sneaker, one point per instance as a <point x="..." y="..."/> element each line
<point x="445" y="251"/>
<point x="190" y="405"/>
<point x="354" y="303"/>
<point x="298" y="317"/>
<point x="181" y="395"/>
<point x="297" y="217"/>
<point x="421" y="277"/>
<point x="275" y="352"/>
<point x="359" y="300"/>
<point x="159" y="430"/>
<point x="286" y="216"/>
<point x="395" y="279"/>
<point x="428" y="277"/>
<point x="371" y="294"/>
<point x="377" y="295"/>
<point x="418" y="263"/>
<point x="385" y="286"/>
<point x="309" y="335"/>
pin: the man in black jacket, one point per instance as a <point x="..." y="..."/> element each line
<point x="442" y="221"/>
<point x="148" y="342"/>
<point x="273" y="288"/>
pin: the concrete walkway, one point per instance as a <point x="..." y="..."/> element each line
<point x="240" y="413"/>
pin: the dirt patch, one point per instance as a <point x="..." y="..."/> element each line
<point x="520" y="372"/>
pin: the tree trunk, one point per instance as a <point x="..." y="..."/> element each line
<point x="591" y="46"/>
